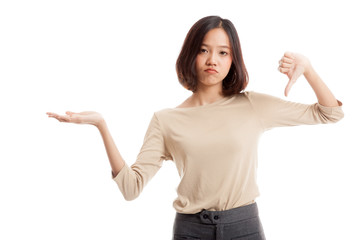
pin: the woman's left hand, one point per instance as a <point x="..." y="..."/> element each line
<point x="293" y="65"/>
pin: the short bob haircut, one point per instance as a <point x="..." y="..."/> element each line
<point x="237" y="78"/>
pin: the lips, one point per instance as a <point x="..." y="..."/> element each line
<point x="211" y="70"/>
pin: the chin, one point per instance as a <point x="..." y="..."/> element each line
<point x="211" y="82"/>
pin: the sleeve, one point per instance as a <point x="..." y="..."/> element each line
<point x="131" y="180"/>
<point x="276" y="112"/>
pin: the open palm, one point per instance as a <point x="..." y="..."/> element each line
<point x="87" y="117"/>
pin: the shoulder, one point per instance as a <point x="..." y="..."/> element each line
<point x="251" y="93"/>
<point x="254" y="96"/>
<point x="163" y="114"/>
<point x="185" y="104"/>
<point x="248" y="95"/>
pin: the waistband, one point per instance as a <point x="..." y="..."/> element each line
<point x="226" y="216"/>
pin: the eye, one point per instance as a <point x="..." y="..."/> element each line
<point x="223" y="53"/>
<point x="203" y="50"/>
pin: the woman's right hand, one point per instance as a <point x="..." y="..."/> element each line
<point x="88" y="117"/>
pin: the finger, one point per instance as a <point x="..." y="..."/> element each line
<point x="287" y="60"/>
<point x="59" y="117"/>
<point x="289" y="55"/>
<point x="285" y="65"/>
<point x="283" y="70"/>
<point x="51" y="114"/>
<point x="54" y="115"/>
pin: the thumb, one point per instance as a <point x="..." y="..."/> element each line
<point x="297" y="73"/>
<point x="288" y="87"/>
<point x="69" y="113"/>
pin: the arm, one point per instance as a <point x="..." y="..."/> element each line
<point x="130" y="179"/>
<point x="95" y="118"/>
<point x="276" y="112"/>
<point x="323" y="93"/>
<point x="116" y="161"/>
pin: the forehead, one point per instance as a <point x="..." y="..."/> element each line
<point x="216" y="37"/>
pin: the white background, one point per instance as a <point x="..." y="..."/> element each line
<point x="118" y="58"/>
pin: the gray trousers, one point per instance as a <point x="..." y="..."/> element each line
<point x="242" y="223"/>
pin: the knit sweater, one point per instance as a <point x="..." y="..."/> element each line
<point x="214" y="148"/>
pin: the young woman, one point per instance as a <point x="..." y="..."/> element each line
<point x="212" y="136"/>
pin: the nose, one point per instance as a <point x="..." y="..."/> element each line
<point x="211" y="59"/>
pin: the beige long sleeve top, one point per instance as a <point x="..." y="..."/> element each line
<point x="214" y="148"/>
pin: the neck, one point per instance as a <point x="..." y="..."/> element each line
<point x="206" y="96"/>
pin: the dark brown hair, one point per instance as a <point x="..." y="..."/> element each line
<point x="237" y="78"/>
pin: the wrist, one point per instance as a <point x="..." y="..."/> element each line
<point x="309" y="71"/>
<point x="100" y="124"/>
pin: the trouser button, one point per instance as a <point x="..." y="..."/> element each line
<point x="205" y="216"/>
<point x="216" y="217"/>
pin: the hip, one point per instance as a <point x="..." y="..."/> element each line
<point x="237" y="223"/>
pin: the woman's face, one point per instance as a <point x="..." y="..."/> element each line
<point x="214" y="59"/>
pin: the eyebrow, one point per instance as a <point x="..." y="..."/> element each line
<point x="222" y="46"/>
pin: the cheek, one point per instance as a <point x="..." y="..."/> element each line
<point x="229" y="62"/>
<point x="198" y="62"/>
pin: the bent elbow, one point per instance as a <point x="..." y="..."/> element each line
<point x="328" y="114"/>
<point x="334" y="118"/>
<point x="338" y="118"/>
<point x="130" y="196"/>
<point x="131" y="190"/>
<point x="130" y="183"/>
